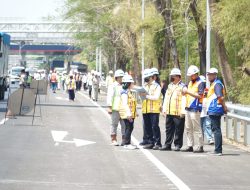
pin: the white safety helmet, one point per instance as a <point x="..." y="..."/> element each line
<point x="192" y="70"/>
<point x="147" y="73"/>
<point x="110" y="72"/>
<point x="175" y="71"/>
<point x="213" y="71"/>
<point x="119" y="73"/>
<point x="155" y="71"/>
<point x="203" y="79"/>
<point x="92" y="72"/>
<point x="127" y="78"/>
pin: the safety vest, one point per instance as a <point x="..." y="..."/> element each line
<point x="131" y="104"/>
<point x="71" y="85"/>
<point x="213" y="103"/>
<point x="192" y="102"/>
<point x="151" y="106"/>
<point x="116" y="99"/>
<point x="29" y="80"/>
<point x="53" y="78"/>
<point x="174" y="99"/>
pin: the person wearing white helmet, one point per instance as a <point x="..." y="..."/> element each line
<point x="128" y="109"/>
<point x="113" y="102"/>
<point x="156" y="75"/>
<point x="205" y="120"/>
<point x="71" y="87"/>
<point x="174" y="111"/>
<point x="216" y="107"/>
<point x="151" y="106"/>
<point x="90" y="82"/>
<point x="194" y="96"/>
<point x="95" y="86"/>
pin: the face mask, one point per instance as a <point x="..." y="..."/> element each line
<point x="146" y="80"/>
<point x="125" y="85"/>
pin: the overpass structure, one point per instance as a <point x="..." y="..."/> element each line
<point x="42" y="32"/>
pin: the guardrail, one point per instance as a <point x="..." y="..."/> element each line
<point x="237" y="124"/>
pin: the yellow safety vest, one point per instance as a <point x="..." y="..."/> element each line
<point x="174" y="98"/>
<point x="71" y="85"/>
<point x="192" y="102"/>
<point x="116" y="99"/>
<point x="132" y="106"/>
<point x="151" y="106"/>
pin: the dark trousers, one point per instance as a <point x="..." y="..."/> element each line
<point x="174" y="131"/>
<point x="144" y="138"/>
<point x="152" y="129"/>
<point x="71" y="94"/>
<point x="90" y="90"/>
<point x="216" y="129"/>
<point x="129" y="126"/>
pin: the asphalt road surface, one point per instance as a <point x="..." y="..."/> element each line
<point x="68" y="148"/>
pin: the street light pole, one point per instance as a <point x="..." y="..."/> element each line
<point x="208" y="42"/>
<point x="96" y="58"/>
<point x="143" y="37"/>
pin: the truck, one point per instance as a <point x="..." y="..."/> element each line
<point x="57" y="64"/>
<point x="79" y="67"/>
<point x="4" y="54"/>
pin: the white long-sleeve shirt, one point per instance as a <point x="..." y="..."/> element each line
<point x="110" y="93"/>
<point x="154" y="87"/>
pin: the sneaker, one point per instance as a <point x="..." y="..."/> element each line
<point x="165" y="148"/>
<point x="188" y="149"/>
<point x="211" y="142"/>
<point x="114" y="143"/>
<point x="148" y="146"/>
<point x="130" y="147"/>
<point x="199" y="150"/>
<point x="216" y="154"/>
<point x="156" y="147"/>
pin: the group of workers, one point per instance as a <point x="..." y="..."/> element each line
<point x="192" y="108"/>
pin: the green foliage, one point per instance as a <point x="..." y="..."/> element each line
<point x="112" y="23"/>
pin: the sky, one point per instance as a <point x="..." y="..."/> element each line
<point x="30" y="9"/>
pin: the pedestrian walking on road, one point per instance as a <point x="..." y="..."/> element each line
<point x="128" y="109"/>
<point x="90" y="82"/>
<point x="95" y="86"/>
<point x="84" y="81"/>
<point x="216" y="107"/>
<point x="174" y="111"/>
<point x="151" y="106"/>
<point x="113" y="102"/>
<point x="71" y="86"/>
<point x="194" y="95"/>
<point x="53" y="81"/>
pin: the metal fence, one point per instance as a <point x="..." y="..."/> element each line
<point x="237" y="124"/>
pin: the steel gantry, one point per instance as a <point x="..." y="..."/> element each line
<point x="42" y="32"/>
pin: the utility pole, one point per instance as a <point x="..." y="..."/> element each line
<point x="208" y="55"/>
<point x="100" y="60"/>
<point x="96" y="58"/>
<point x="142" y="38"/>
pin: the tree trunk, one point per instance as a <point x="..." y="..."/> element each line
<point x="201" y="36"/>
<point x="225" y="68"/>
<point x="221" y="51"/>
<point x="136" y="61"/>
<point x="164" y="7"/>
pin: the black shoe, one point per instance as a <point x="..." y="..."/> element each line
<point x="143" y="143"/>
<point x="199" y="150"/>
<point x="148" y="146"/>
<point x="188" y="149"/>
<point x="177" y="149"/>
<point x="156" y="147"/>
<point x="165" y="148"/>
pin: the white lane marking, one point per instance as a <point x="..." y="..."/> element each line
<point x="3" y="121"/>
<point x="58" y="137"/>
<point x="167" y="172"/>
<point x="61" y="98"/>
